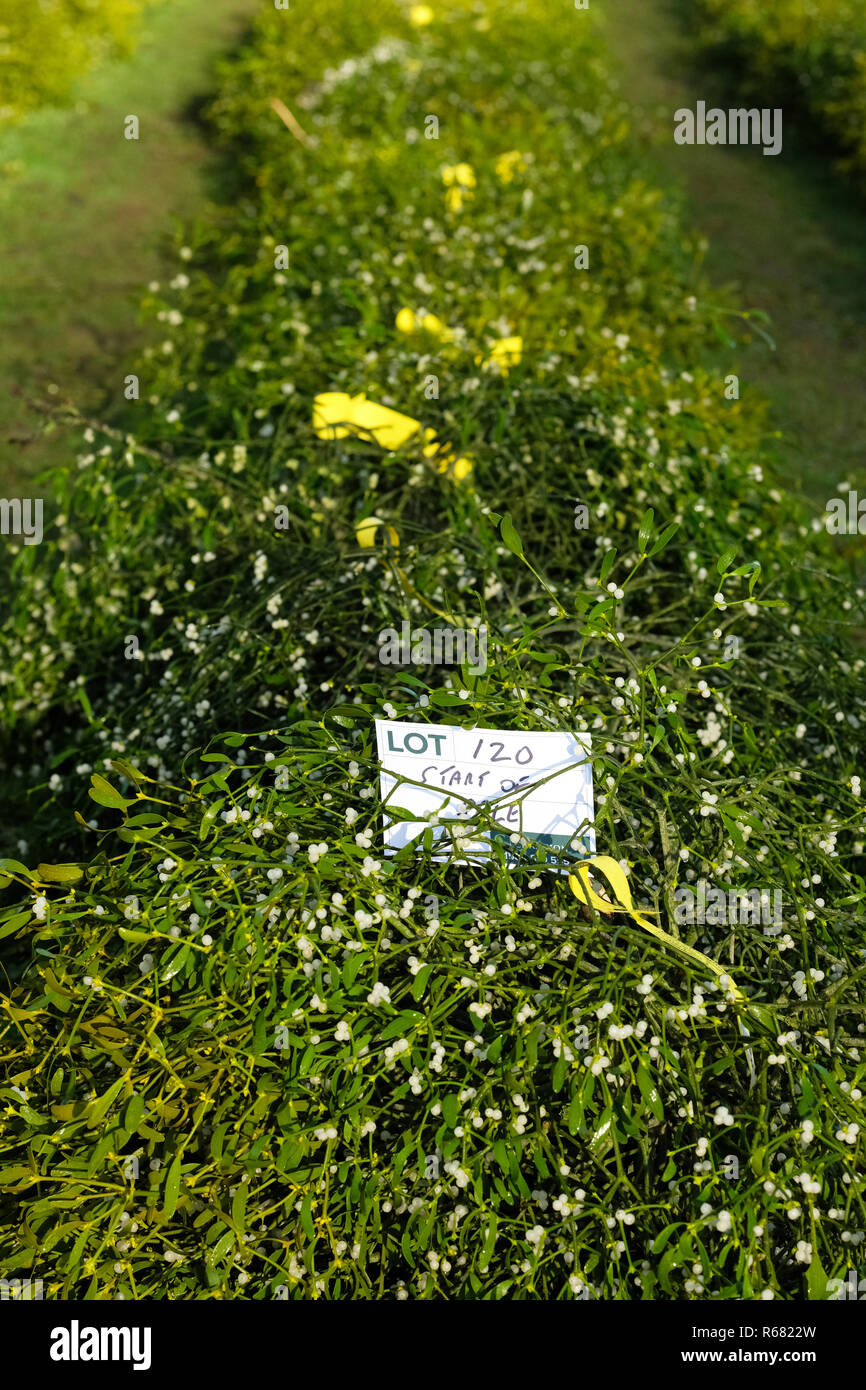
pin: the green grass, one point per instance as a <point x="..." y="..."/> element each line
<point x="82" y="216"/>
<point x="784" y="232"/>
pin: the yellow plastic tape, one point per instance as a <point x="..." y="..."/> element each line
<point x="582" y="889"/>
<point x="509" y="164"/>
<point x="623" y="903"/>
<point x="365" y="532"/>
<point x="505" y="353"/>
<point x="336" y="415"/>
<point x="407" y="321"/>
<point x="444" y="459"/>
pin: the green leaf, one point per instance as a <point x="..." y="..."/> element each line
<point x="670" y="1260"/>
<point x="133" y="1114"/>
<point x="602" y="1138"/>
<point x="607" y="564"/>
<point x="816" y="1278"/>
<point x="489" y="1243"/>
<point x="446" y="698"/>
<point x="222" y="1247"/>
<point x="30" y="1115"/>
<point x="663" y="1237"/>
<point x="131" y="773"/>
<point x="307" y="1218"/>
<point x="13" y="1174"/>
<point x="14" y="866"/>
<point x="19" y="919"/>
<point x="667" y="534"/>
<point x="649" y="1092"/>
<point x="101" y="1107"/>
<point x="404" y="1021"/>
<point x="402" y="1157"/>
<point x="406" y="1247"/>
<point x="450" y="1109"/>
<point x="209" y="817"/>
<point x="351" y="968"/>
<point x="575" y="1112"/>
<point x="725" y="560"/>
<point x="646" y="529"/>
<point x="59" y="873"/>
<point x="172" y="1188"/>
<point x="509" y="536"/>
<point x="419" y="984"/>
<point x="239" y="1206"/>
<point x="290" y="1154"/>
<point x="104" y="794"/>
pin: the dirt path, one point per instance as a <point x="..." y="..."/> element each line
<point x="83" y="213"/>
<point x="784" y="231"/>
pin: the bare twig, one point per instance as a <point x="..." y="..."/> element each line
<point x="288" y="119"/>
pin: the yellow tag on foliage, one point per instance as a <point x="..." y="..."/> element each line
<point x="509" y="164"/>
<point x="582" y="889"/>
<point x="336" y="415"/>
<point x="459" y="181"/>
<point x="365" y="532"/>
<point x="445" y="461"/>
<point x="459" y="175"/>
<point x="506" y="353"/>
<point x="409" y="322"/>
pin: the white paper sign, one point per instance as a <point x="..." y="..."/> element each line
<point x="536" y="788"/>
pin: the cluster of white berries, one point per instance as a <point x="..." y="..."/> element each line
<point x="800" y="984"/>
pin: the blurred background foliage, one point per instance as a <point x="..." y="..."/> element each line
<point x="46" y="44"/>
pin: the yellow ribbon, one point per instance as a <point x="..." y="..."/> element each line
<point x="582" y="889"/>
<point x="365" y="532"/>
<point x="336" y="415"/>
<point x="509" y="164"/>
<point x="459" y="181"/>
<point x="408" y="321"/>
<point x="505" y="353"/>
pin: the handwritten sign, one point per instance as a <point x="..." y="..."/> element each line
<point x="477" y="786"/>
